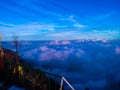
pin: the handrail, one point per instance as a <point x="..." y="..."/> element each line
<point x="34" y="69"/>
<point x="61" y="77"/>
<point x="64" y="80"/>
<point x="68" y="84"/>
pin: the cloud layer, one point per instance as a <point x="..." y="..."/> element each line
<point x="84" y="63"/>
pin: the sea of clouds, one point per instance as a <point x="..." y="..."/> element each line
<point x="84" y="63"/>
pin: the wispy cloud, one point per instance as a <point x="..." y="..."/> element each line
<point x="75" y="23"/>
<point x="6" y="24"/>
<point x="71" y="18"/>
<point x="26" y="29"/>
<point x="105" y="15"/>
<point x="86" y="34"/>
<point x="79" y="25"/>
<point x="40" y="31"/>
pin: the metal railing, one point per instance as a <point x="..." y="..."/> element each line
<point x="64" y="80"/>
<point x="54" y="81"/>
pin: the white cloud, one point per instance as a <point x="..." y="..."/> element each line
<point x="72" y="18"/>
<point x="117" y="50"/>
<point x="79" y="25"/>
<point x="55" y="34"/>
<point x="75" y="22"/>
<point x="60" y="42"/>
<point x="64" y="42"/>
<point x="44" y="48"/>
<point x="80" y="52"/>
<point x="53" y="54"/>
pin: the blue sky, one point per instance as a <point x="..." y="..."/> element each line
<point x="60" y="19"/>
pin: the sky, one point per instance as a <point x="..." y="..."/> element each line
<point x="60" y="19"/>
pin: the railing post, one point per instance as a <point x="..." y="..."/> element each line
<point x="68" y="84"/>
<point x="61" y="84"/>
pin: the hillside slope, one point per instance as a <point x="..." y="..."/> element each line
<point x="28" y="78"/>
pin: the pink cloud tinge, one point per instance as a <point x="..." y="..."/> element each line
<point x="117" y="50"/>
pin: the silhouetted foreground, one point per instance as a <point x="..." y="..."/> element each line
<point x="17" y="73"/>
